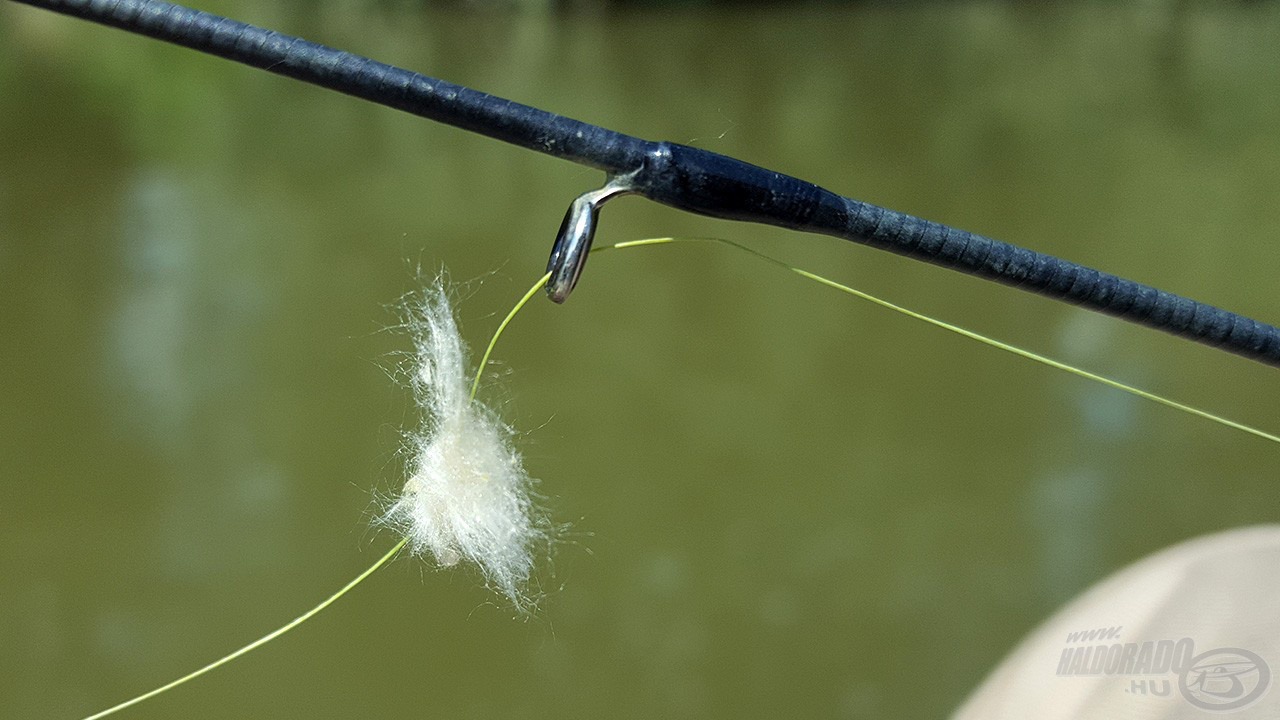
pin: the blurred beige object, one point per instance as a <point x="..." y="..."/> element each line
<point x="1190" y="632"/>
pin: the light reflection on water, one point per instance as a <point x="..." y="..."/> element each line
<point x="783" y="502"/>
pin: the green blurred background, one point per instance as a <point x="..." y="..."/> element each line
<point x="783" y="502"/>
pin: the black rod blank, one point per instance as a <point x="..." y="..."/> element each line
<point x="683" y="177"/>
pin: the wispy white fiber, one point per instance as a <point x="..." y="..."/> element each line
<point x="468" y="495"/>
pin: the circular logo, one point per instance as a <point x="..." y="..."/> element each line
<point x="1224" y="679"/>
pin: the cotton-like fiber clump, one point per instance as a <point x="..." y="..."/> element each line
<point x="467" y="496"/>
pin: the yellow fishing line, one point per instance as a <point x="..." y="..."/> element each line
<point x="959" y="331"/>
<point x="493" y="341"/>
<point x="466" y="494"/>
<point x="260" y="641"/>
<point x="502" y="326"/>
<point x="386" y="558"/>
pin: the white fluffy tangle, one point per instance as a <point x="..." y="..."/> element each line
<point x="468" y="495"/>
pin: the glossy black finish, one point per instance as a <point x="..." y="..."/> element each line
<point x="683" y="177"/>
<point x="704" y="182"/>
<point x="361" y="77"/>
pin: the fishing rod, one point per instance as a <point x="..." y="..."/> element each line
<point x="683" y="177"/>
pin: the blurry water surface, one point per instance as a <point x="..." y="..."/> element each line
<point x="783" y="502"/>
